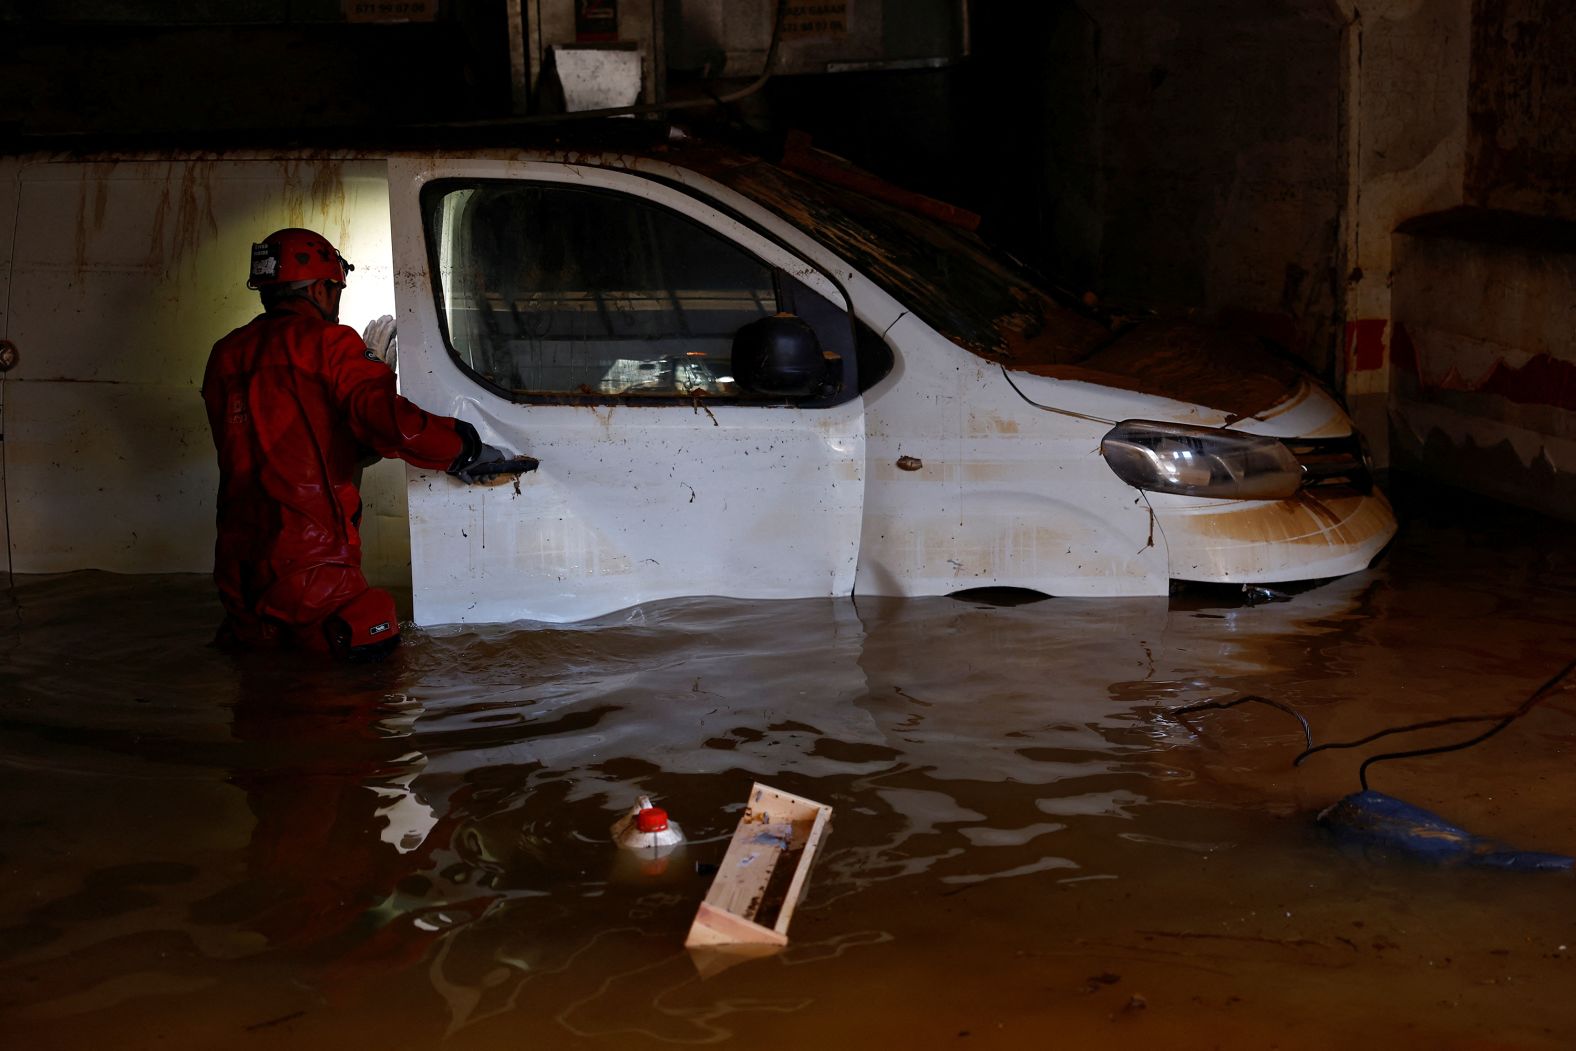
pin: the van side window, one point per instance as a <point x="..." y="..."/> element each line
<point x="557" y="290"/>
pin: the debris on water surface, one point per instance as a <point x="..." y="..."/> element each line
<point x="763" y="873"/>
<point x="1135" y="1004"/>
<point x="1256" y="595"/>
<point x="647" y="830"/>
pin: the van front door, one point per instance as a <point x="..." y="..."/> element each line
<point x="585" y="316"/>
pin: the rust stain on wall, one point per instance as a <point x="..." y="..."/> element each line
<point x="184" y="216"/>
<point x="92" y="203"/>
<point x="313" y="189"/>
<point x="327" y="194"/>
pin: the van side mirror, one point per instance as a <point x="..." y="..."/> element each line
<point x="780" y="356"/>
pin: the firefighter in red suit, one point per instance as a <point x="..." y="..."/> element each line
<point x="296" y="402"/>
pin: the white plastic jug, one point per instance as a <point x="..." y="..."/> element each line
<point x="647" y="831"/>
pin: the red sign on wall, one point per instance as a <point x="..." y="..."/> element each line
<point x="596" y="21"/>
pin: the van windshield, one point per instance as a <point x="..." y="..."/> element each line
<point x="945" y="275"/>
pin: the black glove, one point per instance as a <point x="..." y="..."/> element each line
<point x="480" y="461"/>
<point x="486" y="456"/>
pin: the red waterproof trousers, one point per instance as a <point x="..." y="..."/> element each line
<point x="295" y="402"/>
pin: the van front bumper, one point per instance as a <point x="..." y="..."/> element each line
<point x="1327" y="531"/>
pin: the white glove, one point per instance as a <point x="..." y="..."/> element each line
<point x="381" y="340"/>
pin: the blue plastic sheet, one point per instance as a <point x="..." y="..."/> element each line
<point x="1374" y="820"/>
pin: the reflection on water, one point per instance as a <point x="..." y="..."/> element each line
<point x="202" y="851"/>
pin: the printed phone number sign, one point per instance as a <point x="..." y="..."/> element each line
<point x="816" y="19"/>
<point x="390" y="10"/>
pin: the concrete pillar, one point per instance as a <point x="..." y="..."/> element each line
<point x="1408" y="65"/>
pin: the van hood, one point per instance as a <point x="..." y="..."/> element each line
<point x="948" y="277"/>
<point x="1230" y="372"/>
<point x="986" y="305"/>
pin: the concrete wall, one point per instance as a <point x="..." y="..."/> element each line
<point x="1471" y="347"/>
<point x="1182" y="156"/>
<point x="124" y="274"/>
<point x="1218" y="124"/>
<point x="1407" y="71"/>
<point x="1522" y="153"/>
<point x="1484" y="355"/>
<point x="1185" y="156"/>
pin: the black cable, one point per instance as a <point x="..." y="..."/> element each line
<point x="1307" y="732"/>
<point x="1537" y="697"/>
<point x="1050" y="408"/>
<point x="1430" y="724"/>
<point x="1526" y="706"/>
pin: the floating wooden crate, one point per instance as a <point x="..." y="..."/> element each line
<point x="763" y="874"/>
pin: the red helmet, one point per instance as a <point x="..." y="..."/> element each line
<point x="289" y="256"/>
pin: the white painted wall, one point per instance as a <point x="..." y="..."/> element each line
<point x="123" y="276"/>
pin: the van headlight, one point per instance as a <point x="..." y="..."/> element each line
<point x="1201" y="461"/>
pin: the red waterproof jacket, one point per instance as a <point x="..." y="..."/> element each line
<point x="295" y="403"/>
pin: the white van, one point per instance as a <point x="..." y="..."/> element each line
<point x="738" y="380"/>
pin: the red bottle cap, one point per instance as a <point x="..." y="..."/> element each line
<point x="652" y="819"/>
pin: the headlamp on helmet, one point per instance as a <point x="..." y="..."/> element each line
<point x="295" y="258"/>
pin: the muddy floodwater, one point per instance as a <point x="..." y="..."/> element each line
<point x="1028" y="848"/>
